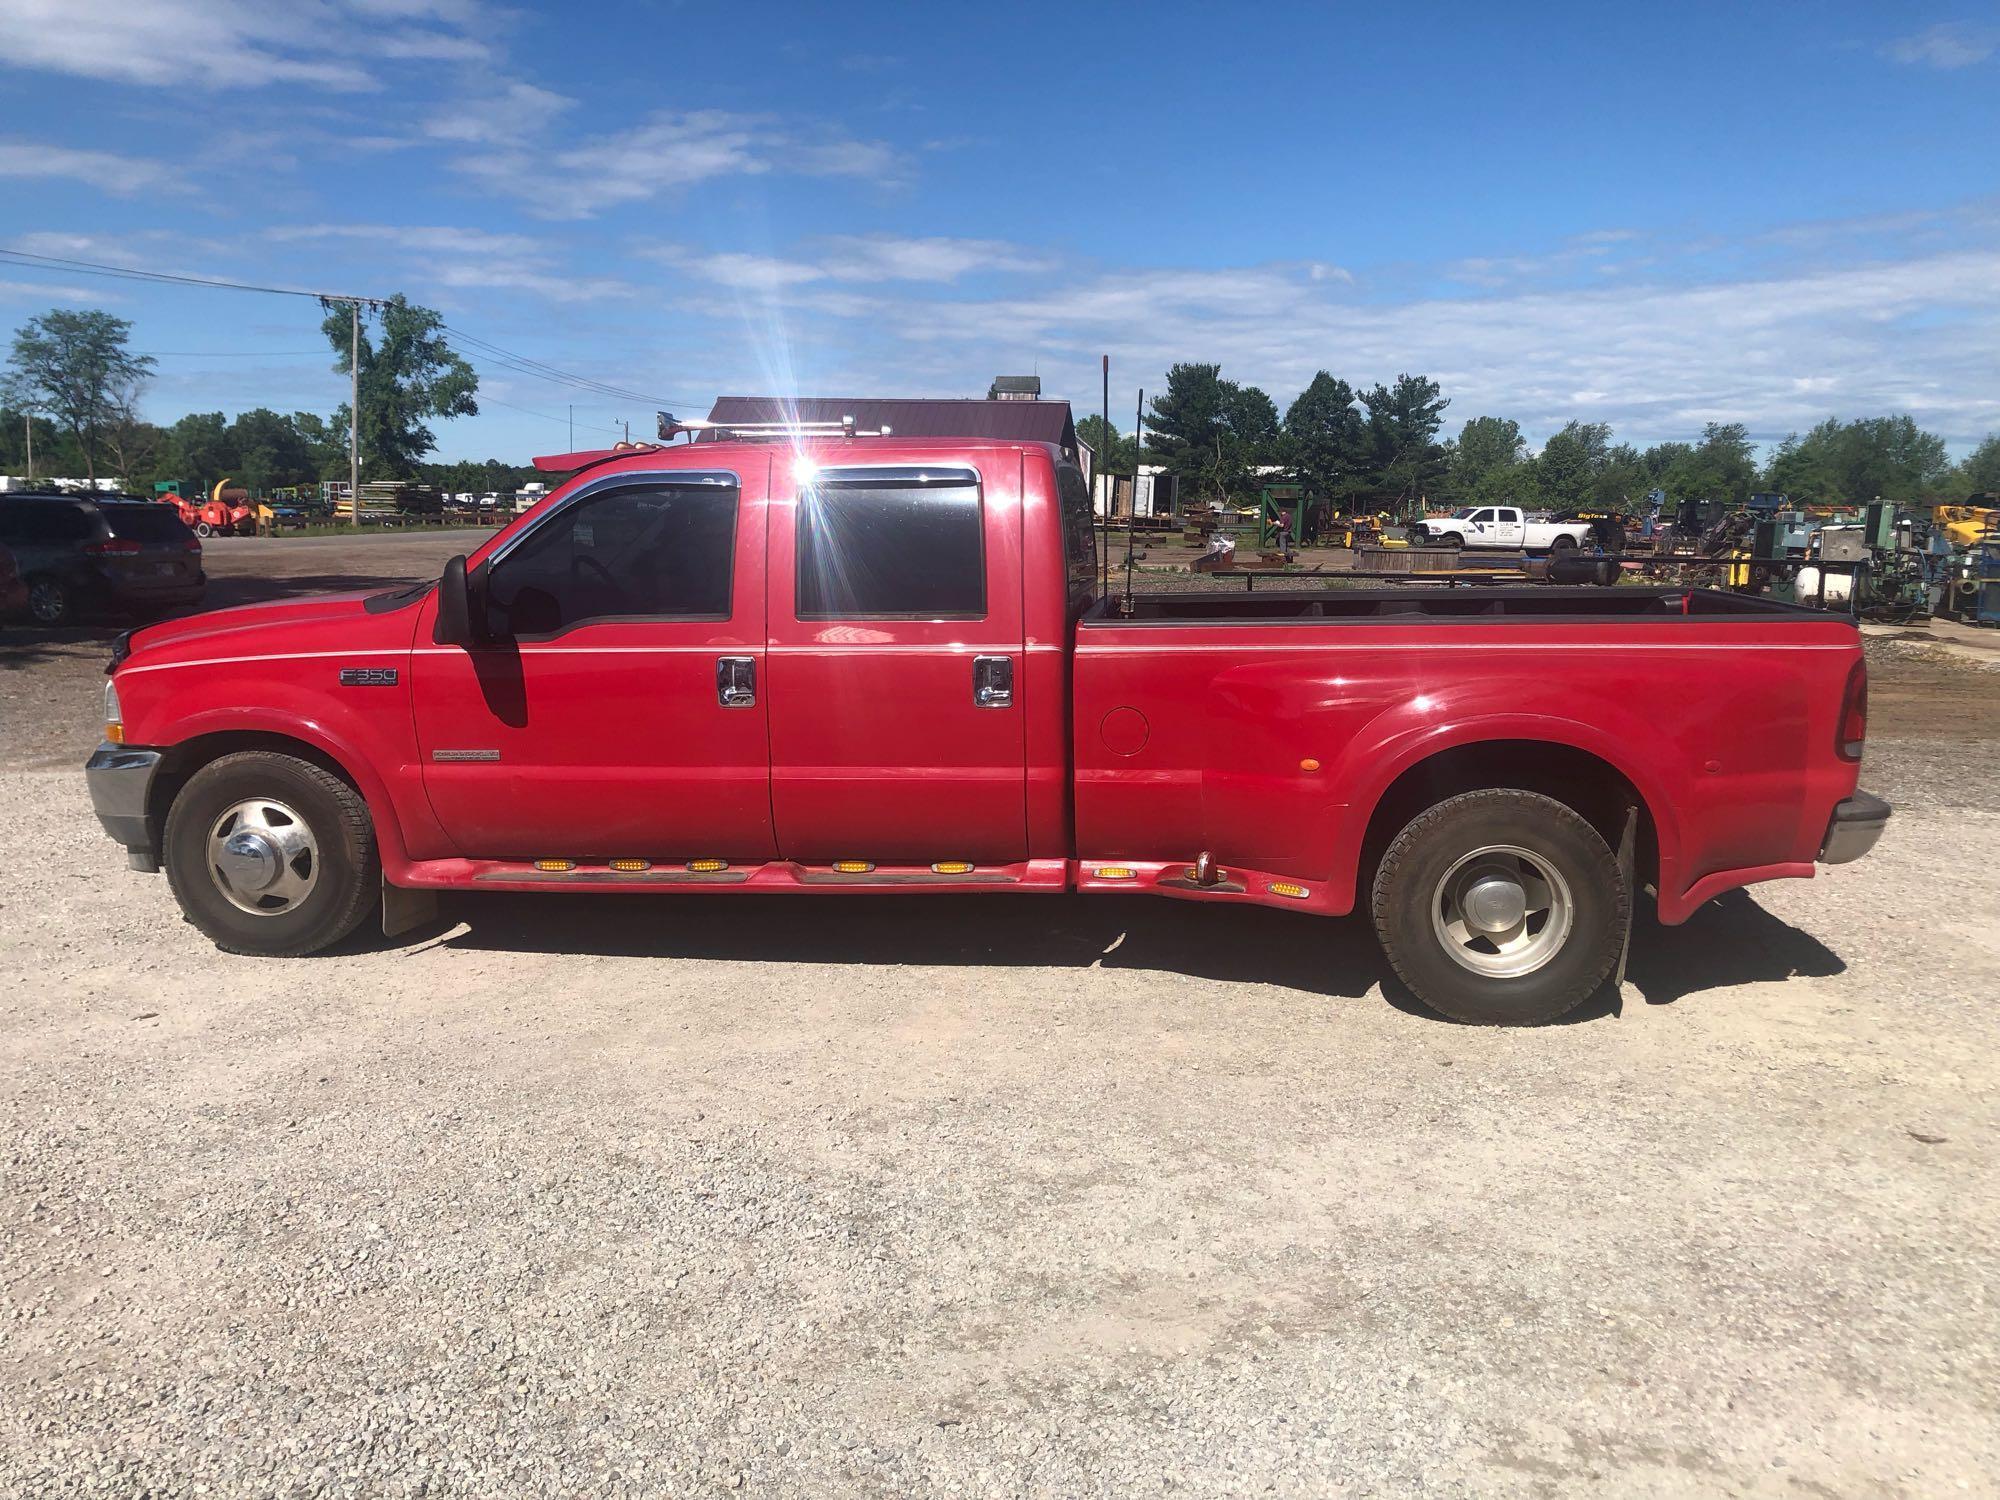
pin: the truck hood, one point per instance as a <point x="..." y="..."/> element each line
<point x="326" y="622"/>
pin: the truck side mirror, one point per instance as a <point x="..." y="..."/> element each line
<point x="460" y="609"/>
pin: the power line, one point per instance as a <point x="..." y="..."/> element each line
<point x="134" y="273"/>
<point x="495" y="401"/>
<point x="508" y="359"/>
<point x="528" y="365"/>
<point x="231" y="353"/>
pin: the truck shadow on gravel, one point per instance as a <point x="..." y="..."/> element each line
<point x="1730" y="941"/>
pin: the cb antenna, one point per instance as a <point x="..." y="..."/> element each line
<point x="1132" y="519"/>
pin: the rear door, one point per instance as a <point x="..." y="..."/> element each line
<point x="1508" y="529"/>
<point x="895" y="663"/>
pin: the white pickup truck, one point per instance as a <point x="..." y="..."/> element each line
<point x="1504" y="527"/>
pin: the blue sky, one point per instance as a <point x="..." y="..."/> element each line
<point x="1654" y="217"/>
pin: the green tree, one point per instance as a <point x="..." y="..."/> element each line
<point x="1979" y="474"/>
<point x="1800" y="468"/>
<point x="1570" y="462"/>
<point x="1120" y="455"/>
<point x="1209" y="431"/>
<point x="270" y="451"/>
<point x="74" y="366"/>
<point x="409" y="376"/>
<point x="1326" y="438"/>
<point x="199" y="452"/>
<point x="1403" y="423"/>
<point x="1485" y="465"/>
<point x="1622" y="480"/>
<point x="325" y="443"/>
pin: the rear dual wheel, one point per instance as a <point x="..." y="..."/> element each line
<point x="1501" y="908"/>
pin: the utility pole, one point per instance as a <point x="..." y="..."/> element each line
<point x="572" y="429"/>
<point x="354" y="418"/>
<point x="28" y="426"/>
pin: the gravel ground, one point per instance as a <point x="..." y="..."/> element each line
<point x="1002" y="1196"/>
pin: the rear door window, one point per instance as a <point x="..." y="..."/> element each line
<point x="146" y="523"/>
<point x="891" y="543"/>
<point x="45" y="521"/>
<point x="1079" y="530"/>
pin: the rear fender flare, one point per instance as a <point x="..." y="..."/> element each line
<point x="1411" y="734"/>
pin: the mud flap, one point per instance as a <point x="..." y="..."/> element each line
<point x="403" y="910"/>
<point x="1627" y="861"/>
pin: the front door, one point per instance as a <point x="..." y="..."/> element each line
<point x="895" y="652"/>
<point x="619" y="711"/>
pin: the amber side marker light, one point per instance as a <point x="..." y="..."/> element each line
<point x="1113" y="872"/>
<point x="952" y="867"/>
<point x="631" y="866"/>
<point x="1287" y="888"/>
<point x="114" y="732"/>
<point x="555" y="866"/>
<point x="707" y="866"/>
<point x="853" y="866"/>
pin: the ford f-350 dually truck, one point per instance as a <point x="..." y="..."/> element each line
<point x="869" y="665"/>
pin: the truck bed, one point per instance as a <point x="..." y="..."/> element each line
<point x="1267" y="728"/>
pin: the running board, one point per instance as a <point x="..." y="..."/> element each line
<point x="1030" y="875"/>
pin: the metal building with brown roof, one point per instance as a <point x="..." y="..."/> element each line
<point x="1007" y="421"/>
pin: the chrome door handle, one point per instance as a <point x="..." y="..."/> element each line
<point x="736" y="681"/>
<point x="992" y="682"/>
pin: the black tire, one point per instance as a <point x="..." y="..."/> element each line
<point x="49" y="602"/>
<point x="1449" y="539"/>
<point x="1563" y="544"/>
<point x="203" y="530"/>
<point x="1414" y="867"/>
<point x="348" y="877"/>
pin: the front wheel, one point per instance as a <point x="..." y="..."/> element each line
<point x="203" y="530"/>
<point x="1501" y="908"/>
<point x="271" y="855"/>
<point x="1449" y="539"/>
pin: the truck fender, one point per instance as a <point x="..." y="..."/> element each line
<point x="1407" y="735"/>
<point x="328" y="739"/>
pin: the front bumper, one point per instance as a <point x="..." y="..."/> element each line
<point x="1852" y="831"/>
<point x="121" y="789"/>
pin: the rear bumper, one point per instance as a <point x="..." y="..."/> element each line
<point x="121" y="787"/>
<point x="1852" y="831"/>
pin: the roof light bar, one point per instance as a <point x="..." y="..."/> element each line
<point x="672" y="427"/>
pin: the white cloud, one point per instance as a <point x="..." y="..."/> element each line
<point x="512" y="111"/>
<point x="1777" y="352"/>
<point x="33" y="291"/>
<point x="862" y="259"/>
<point x="666" y="152"/>
<point x="104" y="170"/>
<point x="1949" y="45"/>
<point x="466" y="259"/>
<point x="246" y="45"/>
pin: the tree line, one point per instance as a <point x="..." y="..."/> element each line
<point x="73" y="382"/>
<point x="1384" y="448"/>
<point x="72" y="389"/>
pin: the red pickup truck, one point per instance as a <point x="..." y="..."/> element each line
<point x="863" y="665"/>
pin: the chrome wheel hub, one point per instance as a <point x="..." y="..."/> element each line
<point x="262" y="857"/>
<point x="1502" y="911"/>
